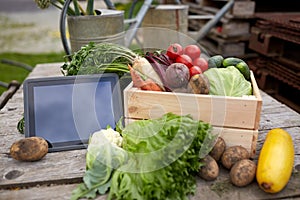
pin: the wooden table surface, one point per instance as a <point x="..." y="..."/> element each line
<point x="57" y="174"/>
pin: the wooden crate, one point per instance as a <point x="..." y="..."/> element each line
<point x="236" y="119"/>
<point x="217" y="45"/>
<point x="234" y="28"/>
<point x="243" y="8"/>
<point x="240" y="8"/>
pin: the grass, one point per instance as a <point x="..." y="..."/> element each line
<point x="11" y="72"/>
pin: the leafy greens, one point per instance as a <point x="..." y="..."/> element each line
<point x="159" y="159"/>
<point x="227" y="82"/>
<point x="99" y="58"/>
<point x="102" y="158"/>
<point x="163" y="158"/>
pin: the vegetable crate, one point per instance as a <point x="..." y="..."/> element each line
<point x="235" y="119"/>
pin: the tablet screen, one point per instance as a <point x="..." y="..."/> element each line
<point x="66" y="111"/>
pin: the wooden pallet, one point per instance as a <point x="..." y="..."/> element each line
<point x="218" y="45"/>
<point x="265" y="43"/>
<point x="279" y="78"/>
<point x="244" y="8"/>
<point x="231" y="34"/>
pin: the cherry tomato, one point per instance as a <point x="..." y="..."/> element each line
<point x="195" y="70"/>
<point x="185" y="59"/>
<point x="174" y="50"/>
<point x="193" y="51"/>
<point x="202" y="63"/>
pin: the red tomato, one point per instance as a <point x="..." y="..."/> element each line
<point x="174" y="50"/>
<point x="193" y="51"/>
<point x="202" y="63"/>
<point x="185" y="59"/>
<point x="195" y="70"/>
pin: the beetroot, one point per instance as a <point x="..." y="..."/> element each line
<point x="177" y="75"/>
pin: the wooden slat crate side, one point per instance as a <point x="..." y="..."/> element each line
<point x="256" y="93"/>
<point x="216" y="110"/>
<point x="243" y="137"/>
<point x="232" y="136"/>
<point x="219" y="111"/>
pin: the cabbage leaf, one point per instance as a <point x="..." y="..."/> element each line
<point x="102" y="158"/>
<point x="163" y="158"/>
<point x="227" y="82"/>
<point x="159" y="159"/>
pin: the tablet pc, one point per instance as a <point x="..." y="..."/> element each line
<point x="66" y="110"/>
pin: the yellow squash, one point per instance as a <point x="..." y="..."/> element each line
<point x="275" y="162"/>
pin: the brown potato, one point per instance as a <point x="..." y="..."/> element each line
<point x="199" y="84"/>
<point x="218" y="149"/>
<point x="234" y="154"/>
<point x="243" y="172"/>
<point x="210" y="170"/>
<point x="29" y="149"/>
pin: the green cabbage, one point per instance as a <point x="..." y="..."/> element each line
<point x="227" y="82"/>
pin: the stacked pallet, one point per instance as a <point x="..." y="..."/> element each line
<point x="276" y="39"/>
<point x="231" y="34"/>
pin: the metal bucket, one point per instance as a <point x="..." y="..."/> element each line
<point x="167" y="17"/>
<point x="108" y="26"/>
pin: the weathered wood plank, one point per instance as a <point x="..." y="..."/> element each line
<point x="59" y="192"/>
<point x="221" y="189"/>
<point x="275" y="114"/>
<point x="56" y="175"/>
<point x="61" y="167"/>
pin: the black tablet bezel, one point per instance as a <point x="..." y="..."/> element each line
<point x="28" y="87"/>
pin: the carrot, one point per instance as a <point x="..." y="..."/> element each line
<point x="140" y="83"/>
<point x="136" y="78"/>
<point x="151" y="85"/>
<point x="143" y="66"/>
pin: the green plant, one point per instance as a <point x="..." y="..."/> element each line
<point x="76" y="9"/>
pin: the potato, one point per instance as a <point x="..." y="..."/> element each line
<point x="29" y="149"/>
<point x="243" y="172"/>
<point x="218" y="149"/>
<point x="234" y="154"/>
<point x="210" y="170"/>
<point x="199" y="84"/>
